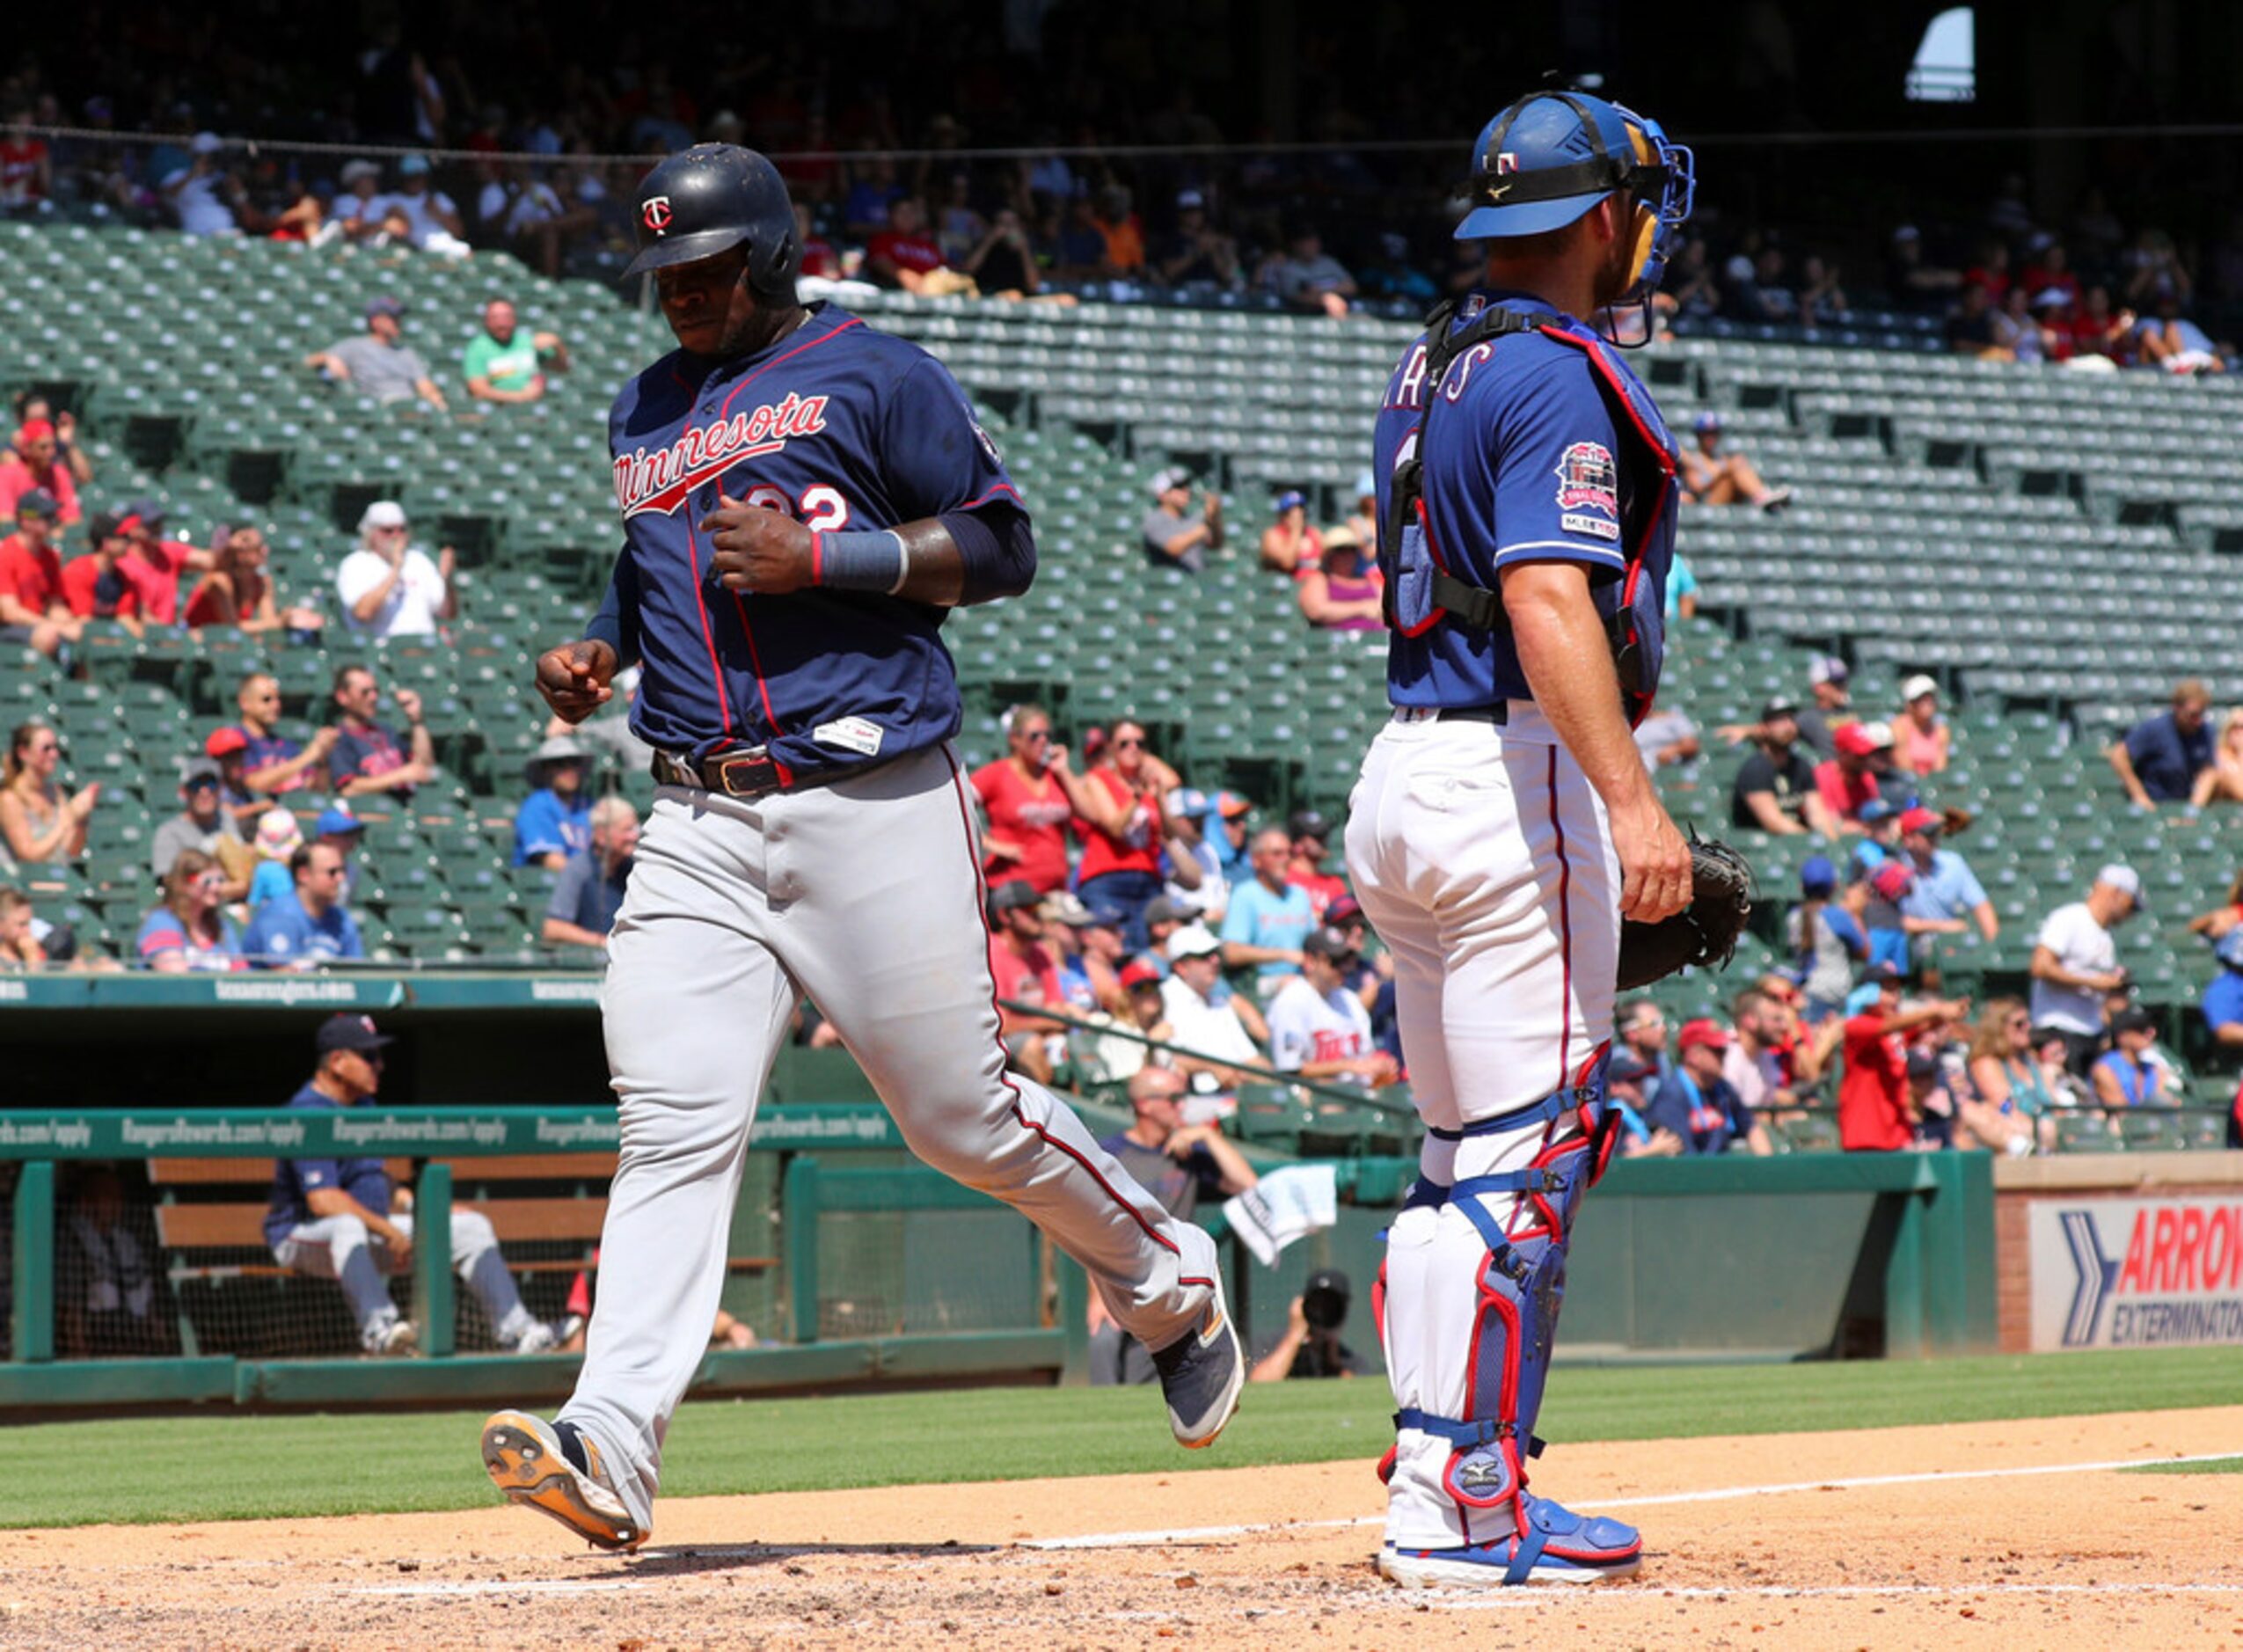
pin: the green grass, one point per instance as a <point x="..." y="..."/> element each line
<point x="2215" y="1466"/>
<point x="222" y="1466"/>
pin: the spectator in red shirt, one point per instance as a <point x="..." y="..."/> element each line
<point x="237" y="592"/>
<point x="69" y="453"/>
<point x="1874" y="1112"/>
<point x="33" y="463"/>
<point x="154" y="564"/>
<point x="1851" y="778"/>
<point x="819" y="259"/>
<point x="904" y="255"/>
<point x="26" y="171"/>
<point x="34" y="609"/>
<point x="1311" y="836"/>
<point x="1118" y="815"/>
<point x="94" y="585"/>
<point x="1026" y="805"/>
<point x="1025" y="973"/>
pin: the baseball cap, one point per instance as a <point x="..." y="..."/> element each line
<point x="34" y="430"/>
<point x="2124" y="879"/>
<point x="1345" y="909"/>
<point x="1287" y="499"/>
<point x="1106" y="915"/>
<point x="1140" y="972"/>
<point x="1329" y="943"/>
<point x="2133" y="1021"/>
<point x="1187" y="802"/>
<point x="278" y="836"/>
<point x="1329" y="1279"/>
<point x="204" y="143"/>
<point x="224" y="742"/>
<point x="1828" y="668"/>
<point x="1917" y="687"/>
<point x="383" y="513"/>
<point x="350" y="1032"/>
<point x="1884" y="970"/>
<point x="1874" y="810"/>
<point x="1854" y="741"/>
<point x="1922" y="1063"/>
<point x="1922" y="820"/>
<point x="1190" y="200"/>
<point x="384" y="305"/>
<point x="1308" y="823"/>
<point x="1167" y="910"/>
<point x="353" y="170"/>
<point x="333" y="822"/>
<point x="1818" y="876"/>
<point x="39" y="502"/>
<point x="1702" y="1033"/>
<point x="201" y="771"/>
<point x="1705" y="421"/>
<point x="1230" y="806"/>
<point x="1014" y="894"/>
<point x="1194" y="940"/>
<point x="1778" y="708"/>
<point x="1174" y="476"/>
<point x="150" y="514"/>
<point x="1893" y="879"/>
<point x="104" y="524"/>
<point x="414" y="166"/>
<point x="1063" y="906"/>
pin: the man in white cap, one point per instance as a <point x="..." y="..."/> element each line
<point x="555" y="820"/>
<point x="1174" y="536"/>
<point x="2075" y="963"/>
<point x="1210" y="1031"/>
<point x="389" y="586"/>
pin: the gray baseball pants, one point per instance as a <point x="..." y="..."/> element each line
<point x="340" y="1248"/>
<point x="865" y="896"/>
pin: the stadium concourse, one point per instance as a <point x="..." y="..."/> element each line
<point x="2046" y="546"/>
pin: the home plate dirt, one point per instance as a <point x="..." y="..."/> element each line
<point x="2002" y="1534"/>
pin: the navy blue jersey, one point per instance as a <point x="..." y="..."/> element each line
<point x="365" y="1179"/>
<point x="1544" y="447"/>
<point x="844" y="428"/>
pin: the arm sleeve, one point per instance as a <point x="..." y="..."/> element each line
<point x="342" y="760"/>
<point x="1847" y="930"/>
<point x="1238" y="921"/>
<point x="1971" y="891"/>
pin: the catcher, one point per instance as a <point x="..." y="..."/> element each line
<point x="1504" y="825"/>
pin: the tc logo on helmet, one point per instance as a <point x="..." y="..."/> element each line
<point x="654" y="214"/>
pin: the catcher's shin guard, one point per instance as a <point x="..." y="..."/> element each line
<point x="1470" y="1302"/>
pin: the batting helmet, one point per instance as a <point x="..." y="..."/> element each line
<point x="710" y="199"/>
<point x="1554" y="154"/>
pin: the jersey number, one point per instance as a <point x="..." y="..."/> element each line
<point x="821" y="508"/>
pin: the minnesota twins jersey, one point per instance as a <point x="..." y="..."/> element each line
<point x="843" y="428"/>
<point x="1544" y="447"/>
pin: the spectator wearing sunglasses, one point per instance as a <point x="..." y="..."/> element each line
<point x="307" y="927"/>
<point x="190" y="931"/>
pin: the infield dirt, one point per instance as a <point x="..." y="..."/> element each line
<point x="1747" y="1542"/>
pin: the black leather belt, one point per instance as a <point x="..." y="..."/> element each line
<point x="1499" y="714"/>
<point x="750" y="774"/>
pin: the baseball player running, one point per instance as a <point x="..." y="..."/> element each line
<point x="802" y="498"/>
<point x="1503" y="823"/>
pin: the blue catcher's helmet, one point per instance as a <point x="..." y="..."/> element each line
<point x="1554" y="154"/>
<point x="710" y="199"/>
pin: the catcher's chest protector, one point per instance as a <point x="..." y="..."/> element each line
<point x="1423" y="587"/>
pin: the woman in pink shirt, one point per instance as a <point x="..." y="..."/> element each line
<point x="1921" y="737"/>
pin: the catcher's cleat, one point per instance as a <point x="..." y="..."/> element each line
<point x="1556" y="1547"/>
<point x="1200" y="1375"/>
<point x="529" y="1459"/>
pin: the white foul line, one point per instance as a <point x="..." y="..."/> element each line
<point x="1202" y="1534"/>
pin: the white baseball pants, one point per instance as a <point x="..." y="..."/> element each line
<point x="340" y="1248"/>
<point x="1484" y="860"/>
<point x="865" y="895"/>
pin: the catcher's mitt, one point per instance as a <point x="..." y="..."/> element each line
<point x="1705" y="932"/>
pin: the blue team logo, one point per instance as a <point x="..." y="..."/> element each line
<point x="1589" y="491"/>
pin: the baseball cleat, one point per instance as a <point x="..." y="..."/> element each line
<point x="1560" y="1547"/>
<point x="527" y="1459"/>
<point x="1201" y="1375"/>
